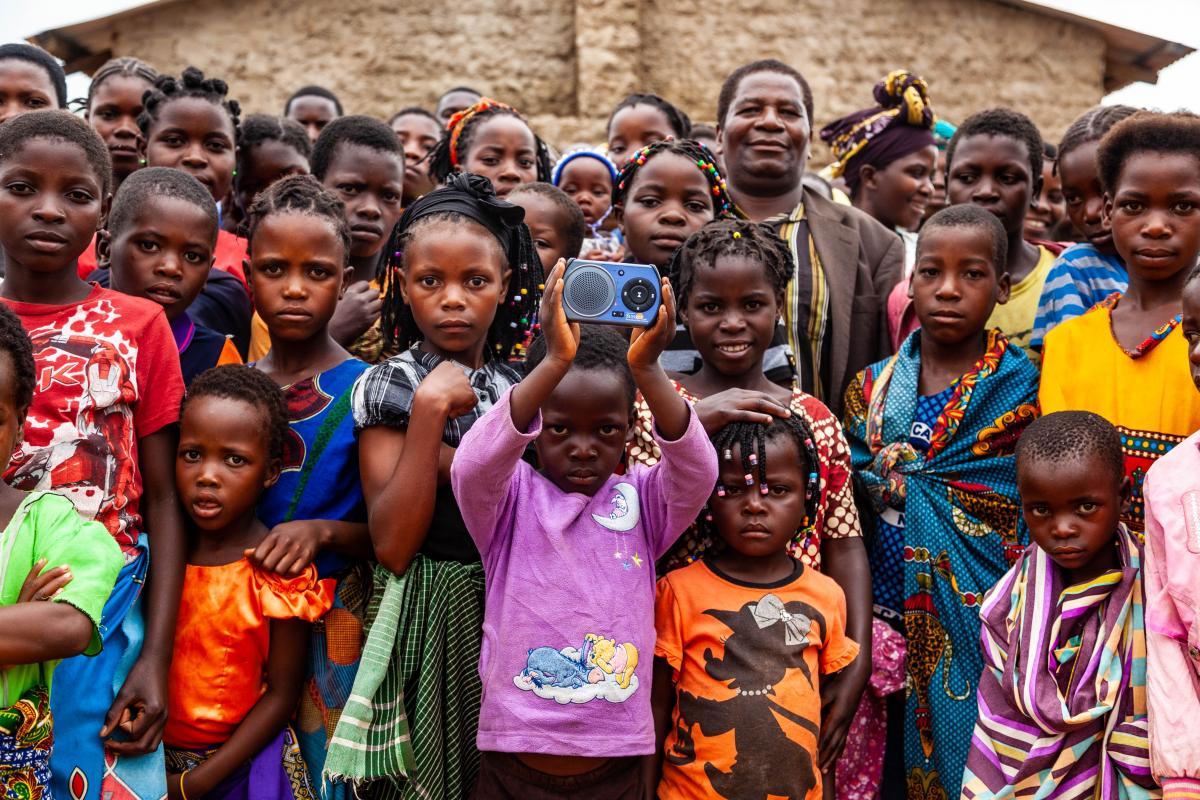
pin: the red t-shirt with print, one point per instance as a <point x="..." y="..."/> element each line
<point x="107" y="375"/>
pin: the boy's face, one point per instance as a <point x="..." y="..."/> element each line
<point x="1191" y="327"/>
<point x="297" y="274"/>
<point x="1155" y="213"/>
<point x="589" y="183"/>
<point x="453" y="103"/>
<point x="51" y="203"/>
<point x="756" y="524"/>
<point x="1072" y="508"/>
<point x="196" y="136"/>
<point x="993" y="173"/>
<point x="1084" y="196"/>
<point x="163" y="253"/>
<point x="954" y="283"/>
<point x="222" y="466"/>
<point x="669" y="201"/>
<point x="371" y="184"/>
<point x="585" y="424"/>
<point x="547" y="226"/>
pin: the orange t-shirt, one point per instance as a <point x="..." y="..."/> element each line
<point x="746" y="661"/>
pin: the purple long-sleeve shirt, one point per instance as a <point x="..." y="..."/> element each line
<point x="568" y="626"/>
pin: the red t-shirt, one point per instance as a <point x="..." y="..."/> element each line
<point x="107" y="375"/>
<point x="227" y="256"/>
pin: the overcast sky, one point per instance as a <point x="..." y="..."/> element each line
<point x="1177" y="20"/>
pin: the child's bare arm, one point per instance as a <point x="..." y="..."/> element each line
<point x="42" y="631"/>
<point x="662" y="703"/>
<point x="845" y="560"/>
<point x="400" y="468"/>
<point x="562" y="340"/>
<point x="140" y="708"/>
<point x="289" y="648"/>
<point x="671" y="412"/>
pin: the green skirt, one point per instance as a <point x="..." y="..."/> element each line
<point x="408" y="729"/>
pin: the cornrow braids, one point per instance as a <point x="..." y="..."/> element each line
<point x="1091" y="127"/>
<point x="751" y="439"/>
<point x="516" y="319"/>
<point x="299" y="194"/>
<point x="250" y="386"/>
<point x="680" y="124"/>
<point x="731" y="237"/>
<point x="450" y="153"/>
<point x="191" y="83"/>
<point x="701" y="156"/>
<point x="117" y="67"/>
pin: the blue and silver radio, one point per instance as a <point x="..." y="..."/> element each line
<point x="611" y="293"/>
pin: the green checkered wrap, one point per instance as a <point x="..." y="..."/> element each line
<point x="409" y="726"/>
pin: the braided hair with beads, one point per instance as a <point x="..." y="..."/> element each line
<point x="450" y="153"/>
<point x="191" y="83"/>
<point x="701" y="156"/>
<point x="751" y="440"/>
<point x="731" y="237"/>
<point x="468" y="198"/>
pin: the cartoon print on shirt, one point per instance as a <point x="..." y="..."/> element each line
<point x="88" y="462"/>
<point x="767" y="639"/>
<point x="626" y="510"/>
<point x="602" y="668"/>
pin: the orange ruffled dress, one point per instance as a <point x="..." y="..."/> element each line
<point x="222" y="639"/>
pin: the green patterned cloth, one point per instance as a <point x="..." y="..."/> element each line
<point x="409" y="726"/>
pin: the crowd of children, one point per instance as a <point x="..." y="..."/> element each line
<point x="313" y="490"/>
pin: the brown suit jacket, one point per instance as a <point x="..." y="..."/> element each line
<point x="863" y="261"/>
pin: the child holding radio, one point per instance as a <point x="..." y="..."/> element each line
<point x="457" y="305"/>
<point x="569" y="551"/>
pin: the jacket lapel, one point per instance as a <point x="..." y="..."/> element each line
<point x="837" y="247"/>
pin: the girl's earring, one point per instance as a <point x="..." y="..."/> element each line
<point x="142" y="161"/>
<point x="235" y="173"/>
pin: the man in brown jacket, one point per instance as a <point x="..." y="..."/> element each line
<point x="846" y="262"/>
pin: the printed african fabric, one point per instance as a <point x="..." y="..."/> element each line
<point x="962" y="530"/>
<point x="837" y="516"/>
<point x="1146" y="392"/>
<point x="277" y="772"/>
<point x="1062" y="697"/>
<point x="26" y="739"/>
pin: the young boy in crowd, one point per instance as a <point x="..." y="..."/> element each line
<point x="931" y="432"/>
<point x="159" y="245"/>
<point x="1062" y="698"/>
<point x="995" y="162"/>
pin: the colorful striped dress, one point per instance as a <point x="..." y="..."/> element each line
<point x="1062" y="698"/>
